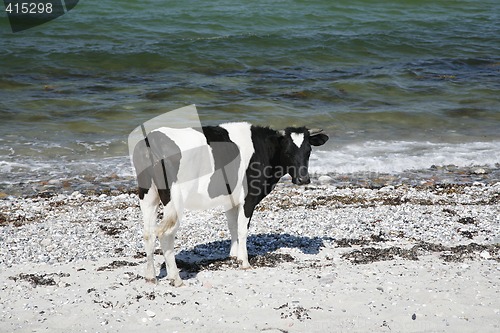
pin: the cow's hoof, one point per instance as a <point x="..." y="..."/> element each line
<point x="177" y="283"/>
<point x="152" y="280"/>
<point x="244" y="266"/>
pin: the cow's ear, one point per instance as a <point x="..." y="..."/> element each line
<point x="317" y="138"/>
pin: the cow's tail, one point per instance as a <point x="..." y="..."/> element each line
<point x="169" y="222"/>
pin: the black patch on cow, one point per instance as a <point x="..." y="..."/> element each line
<point x="156" y="158"/>
<point x="265" y="168"/>
<point x="227" y="161"/>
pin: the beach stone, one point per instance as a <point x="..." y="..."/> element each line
<point x="150" y="313"/>
<point x="479" y="171"/>
<point x="485" y="255"/>
<point x="386" y="189"/>
<point x="328" y="279"/>
<point x="325" y="179"/>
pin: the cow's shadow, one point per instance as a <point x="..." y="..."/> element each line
<point x="261" y="248"/>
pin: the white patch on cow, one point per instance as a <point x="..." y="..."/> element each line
<point x="195" y="169"/>
<point x="185" y="138"/>
<point x="241" y="135"/>
<point x="297" y="138"/>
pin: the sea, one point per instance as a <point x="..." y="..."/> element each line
<point x="400" y="86"/>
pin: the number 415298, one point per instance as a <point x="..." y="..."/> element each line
<point x="29" y="8"/>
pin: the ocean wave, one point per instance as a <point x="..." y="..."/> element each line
<point x="399" y="156"/>
<point x="26" y="170"/>
<point x="368" y="156"/>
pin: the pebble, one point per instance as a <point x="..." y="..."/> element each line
<point x="150" y="313"/>
<point x="325" y="179"/>
<point x="386" y="189"/>
<point x="68" y="228"/>
<point x="485" y="255"/>
<point x="479" y="171"/>
<point x="76" y="195"/>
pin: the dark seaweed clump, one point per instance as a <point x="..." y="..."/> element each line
<point x="39" y="279"/>
<point x="116" y="264"/>
<point x="457" y="253"/>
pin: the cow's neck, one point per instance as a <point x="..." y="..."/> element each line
<point x="272" y="158"/>
<point x="266" y="167"/>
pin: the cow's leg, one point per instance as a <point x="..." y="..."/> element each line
<point x="232" y="223"/>
<point x="166" y="233"/>
<point x="149" y="207"/>
<point x="243" y="222"/>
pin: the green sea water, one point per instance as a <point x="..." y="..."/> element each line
<point x="396" y="84"/>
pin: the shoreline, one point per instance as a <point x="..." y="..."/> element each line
<point x="112" y="184"/>
<point x="394" y="258"/>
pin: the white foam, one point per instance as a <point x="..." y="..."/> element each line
<point x="398" y="156"/>
<point x="26" y="170"/>
<point x="370" y="156"/>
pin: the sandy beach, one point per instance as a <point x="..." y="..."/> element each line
<point x="325" y="259"/>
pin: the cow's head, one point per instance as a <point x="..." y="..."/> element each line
<point x="295" y="151"/>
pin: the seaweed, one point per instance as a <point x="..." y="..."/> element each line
<point x="116" y="264"/>
<point x="39" y="279"/>
<point x="457" y="253"/>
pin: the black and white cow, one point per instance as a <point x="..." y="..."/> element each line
<point x="234" y="165"/>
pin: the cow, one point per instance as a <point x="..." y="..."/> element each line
<point x="234" y="165"/>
